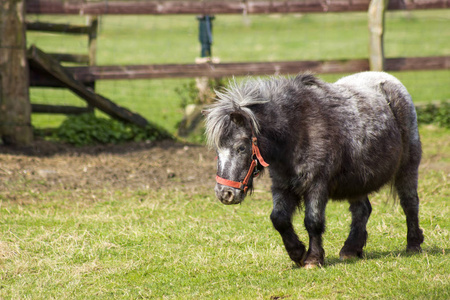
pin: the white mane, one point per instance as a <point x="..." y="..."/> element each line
<point x="238" y="97"/>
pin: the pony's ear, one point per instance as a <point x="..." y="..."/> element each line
<point x="237" y="118"/>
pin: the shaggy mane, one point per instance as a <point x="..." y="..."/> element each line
<point x="239" y="97"/>
<point x="236" y="98"/>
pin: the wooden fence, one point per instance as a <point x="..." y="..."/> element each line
<point x="218" y="7"/>
<point x="78" y="79"/>
<point x="92" y="73"/>
<point x="216" y="70"/>
<point x="89" y="59"/>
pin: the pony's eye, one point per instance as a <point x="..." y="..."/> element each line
<point x="241" y="148"/>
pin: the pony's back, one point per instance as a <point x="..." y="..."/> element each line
<point x="400" y="102"/>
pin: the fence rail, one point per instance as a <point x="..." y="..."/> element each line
<point x="217" y="7"/>
<point x="90" y="74"/>
<point x="45" y="69"/>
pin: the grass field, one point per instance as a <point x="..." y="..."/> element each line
<point x="103" y="240"/>
<point x="178" y="243"/>
<point x="173" y="39"/>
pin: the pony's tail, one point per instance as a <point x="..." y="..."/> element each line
<point x="393" y="191"/>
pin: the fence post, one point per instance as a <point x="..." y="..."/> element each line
<point x="92" y="44"/>
<point x="15" y="107"/>
<point x="376" y="14"/>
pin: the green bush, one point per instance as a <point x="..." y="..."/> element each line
<point x="87" y="129"/>
<point x="437" y="114"/>
<point x="189" y="92"/>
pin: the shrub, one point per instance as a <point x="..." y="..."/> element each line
<point x="437" y="114"/>
<point x="87" y="129"/>
<point x="190" y="93"/>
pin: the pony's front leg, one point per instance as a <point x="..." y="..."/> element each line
<point x="284" y="205"/>
<point x="315" y="203"/>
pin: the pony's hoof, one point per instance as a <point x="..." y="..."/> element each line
<point x="347" y="254"/>
<point x="414" y="249"/>
<point x="312" y="263"/>
<point x="311" y="266"/>
<point x="346" y="257"/>
<point x="301" y="263"/>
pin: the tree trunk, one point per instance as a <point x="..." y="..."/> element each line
<point x="15" y="108"/>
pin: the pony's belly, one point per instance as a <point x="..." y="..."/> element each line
<point x="354" y="189"/>
<point x="362" y="181"/>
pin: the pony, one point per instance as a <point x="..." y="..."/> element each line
<point x="319" y="141"/>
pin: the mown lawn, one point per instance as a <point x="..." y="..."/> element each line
<point x="173" y="39"/>
<point x="183" y="244"/>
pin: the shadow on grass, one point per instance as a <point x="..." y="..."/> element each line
<point x="378" y="255"/>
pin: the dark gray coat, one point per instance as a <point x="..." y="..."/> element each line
<point x="322" y="141"/>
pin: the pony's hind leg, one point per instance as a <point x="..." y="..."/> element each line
<point x="315" y="204"/>
<point x="353" y="246"/>
<point x="406" y="186"/>
<point x="406" y="178"/>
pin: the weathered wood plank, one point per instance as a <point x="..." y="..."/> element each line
<point x="15" y="108"/>
<point x="74" y="58"/>
<point x="92" y="40"/>
<point x="173" y="7"/>
<point x="59" y="28"/>
<point x="92" y="45"/>
<point x="417" y="63"/>
<point x="216" y="70"/>
<point x="40" y="78"/>
<point x="89" y="74"/>
<point x="51" y="66"/>
<point x="427" y="4"/>
<point x="59" y="109"/>
<point x="216" y="7"/>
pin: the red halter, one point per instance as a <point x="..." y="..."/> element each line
<point x="243" y="185"/>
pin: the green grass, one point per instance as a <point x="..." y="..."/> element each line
<point x="173" y="39"/>
<point x="181" y="244"/>
<point x="184" y="244"/>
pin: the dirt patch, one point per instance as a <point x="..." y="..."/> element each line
<point x="45" y="166"/>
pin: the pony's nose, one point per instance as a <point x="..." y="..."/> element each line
<point x="225" y="194"/>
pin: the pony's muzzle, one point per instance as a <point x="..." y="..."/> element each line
<point x="229" y="195"/>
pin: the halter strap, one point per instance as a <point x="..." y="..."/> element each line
<point x="256" y="157"/>
<point x="257" y="153"/>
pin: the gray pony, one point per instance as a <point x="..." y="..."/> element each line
<point x="320" y="141"/>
